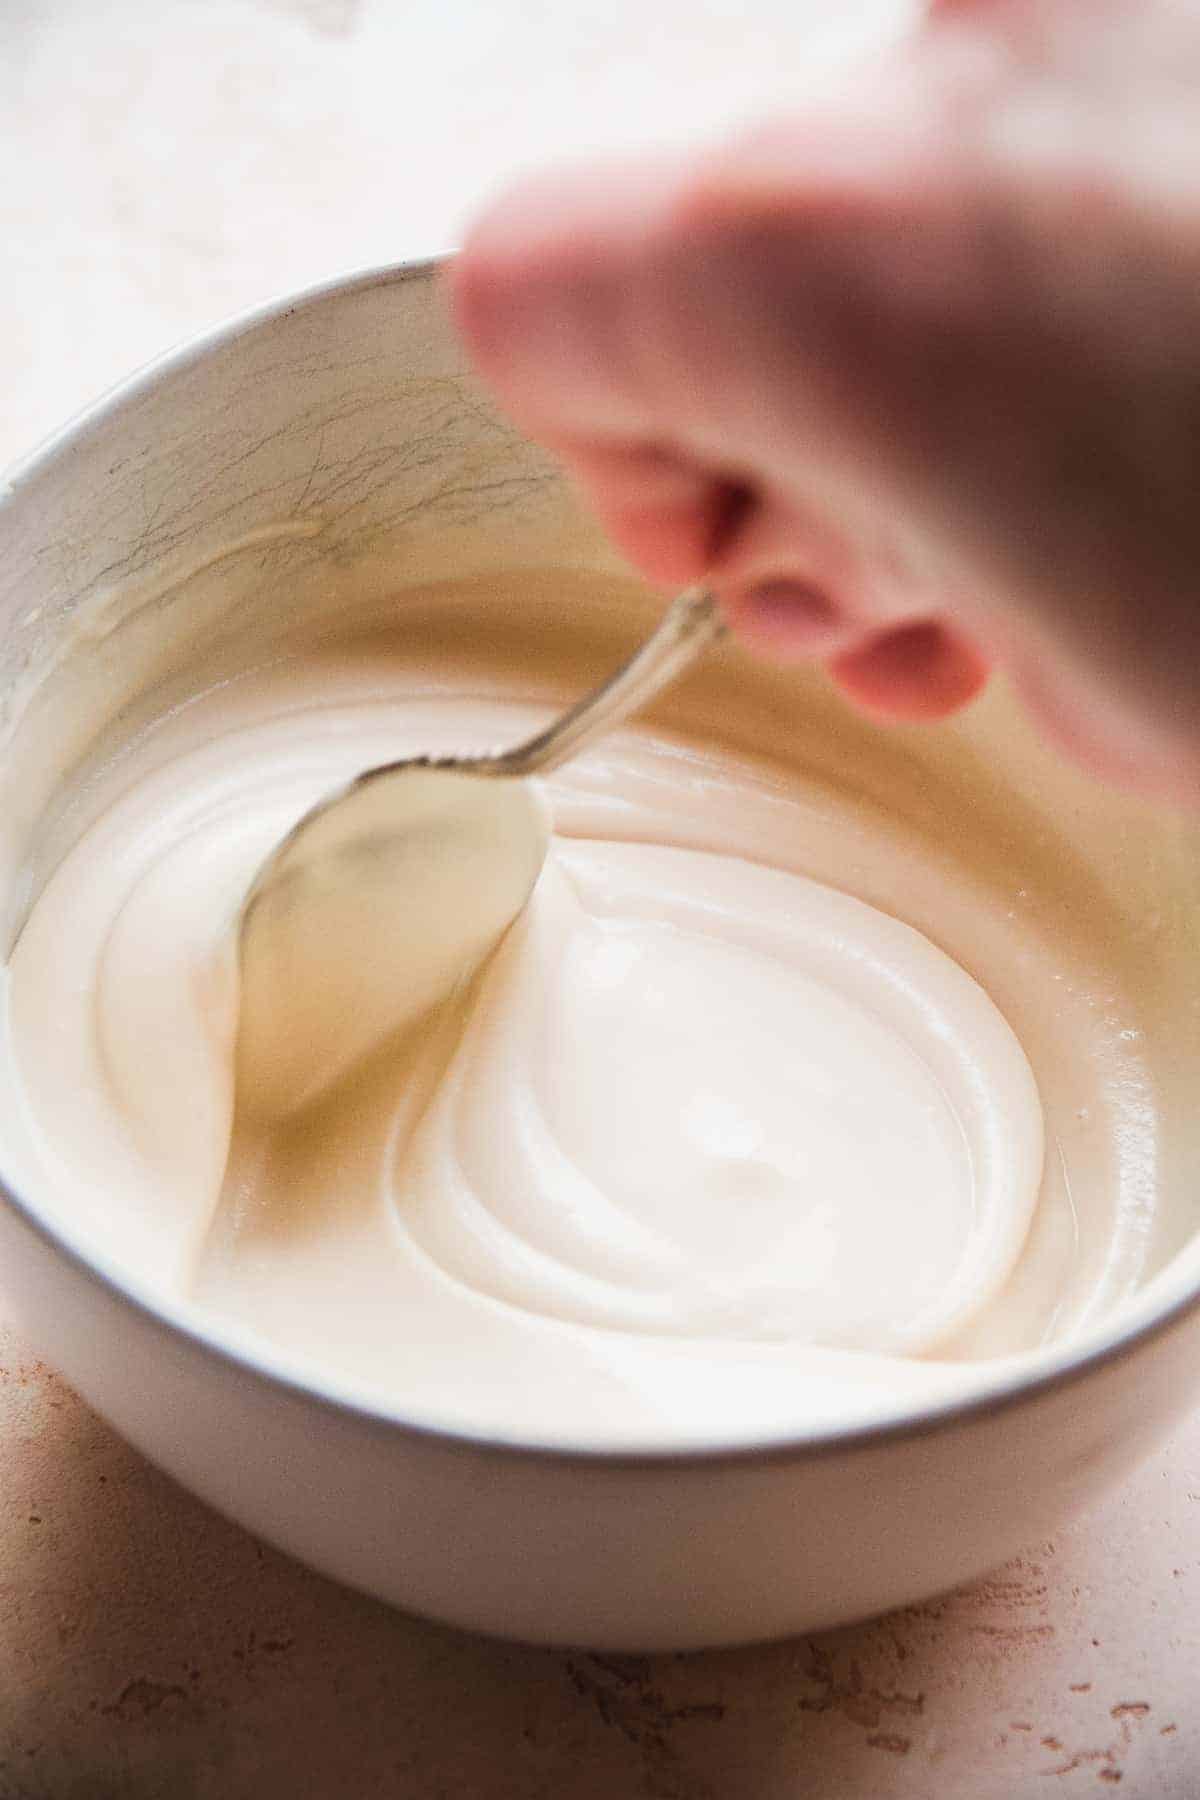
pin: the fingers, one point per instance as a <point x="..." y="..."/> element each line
<point x="661" y="328"/>
<point x="917" y="673"/>
<point x="893" y="314"/>
<point x="665" y="510"/>
<point x="796" y="587"/>
<point x="608" y="322"/>
<point x="1154" y="754"/>
<point x="1004" y="365"/>
<point x="549" y="296"/>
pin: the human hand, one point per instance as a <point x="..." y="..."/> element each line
<point x="914" y="379"/>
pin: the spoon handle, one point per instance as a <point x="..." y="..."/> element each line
<point x="691" y="623"/>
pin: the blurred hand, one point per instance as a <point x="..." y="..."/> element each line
<point x="913" y="378"/>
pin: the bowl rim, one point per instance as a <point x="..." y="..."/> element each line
<point x="252" y="1357"/>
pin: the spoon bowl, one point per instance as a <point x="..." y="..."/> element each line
<point x="371" y="913"/>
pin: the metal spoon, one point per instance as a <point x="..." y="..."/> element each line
<point x="388" y="895"/>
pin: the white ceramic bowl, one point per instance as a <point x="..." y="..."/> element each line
<point x="332" y="439"/>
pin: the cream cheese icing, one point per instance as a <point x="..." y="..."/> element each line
<point x="713" y="1144"/>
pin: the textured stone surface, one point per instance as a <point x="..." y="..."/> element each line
<point x="148" y="1648"/>
<point x="166" y="163"/>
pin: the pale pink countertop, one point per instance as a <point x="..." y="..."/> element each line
<point x="166" y="163"/>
